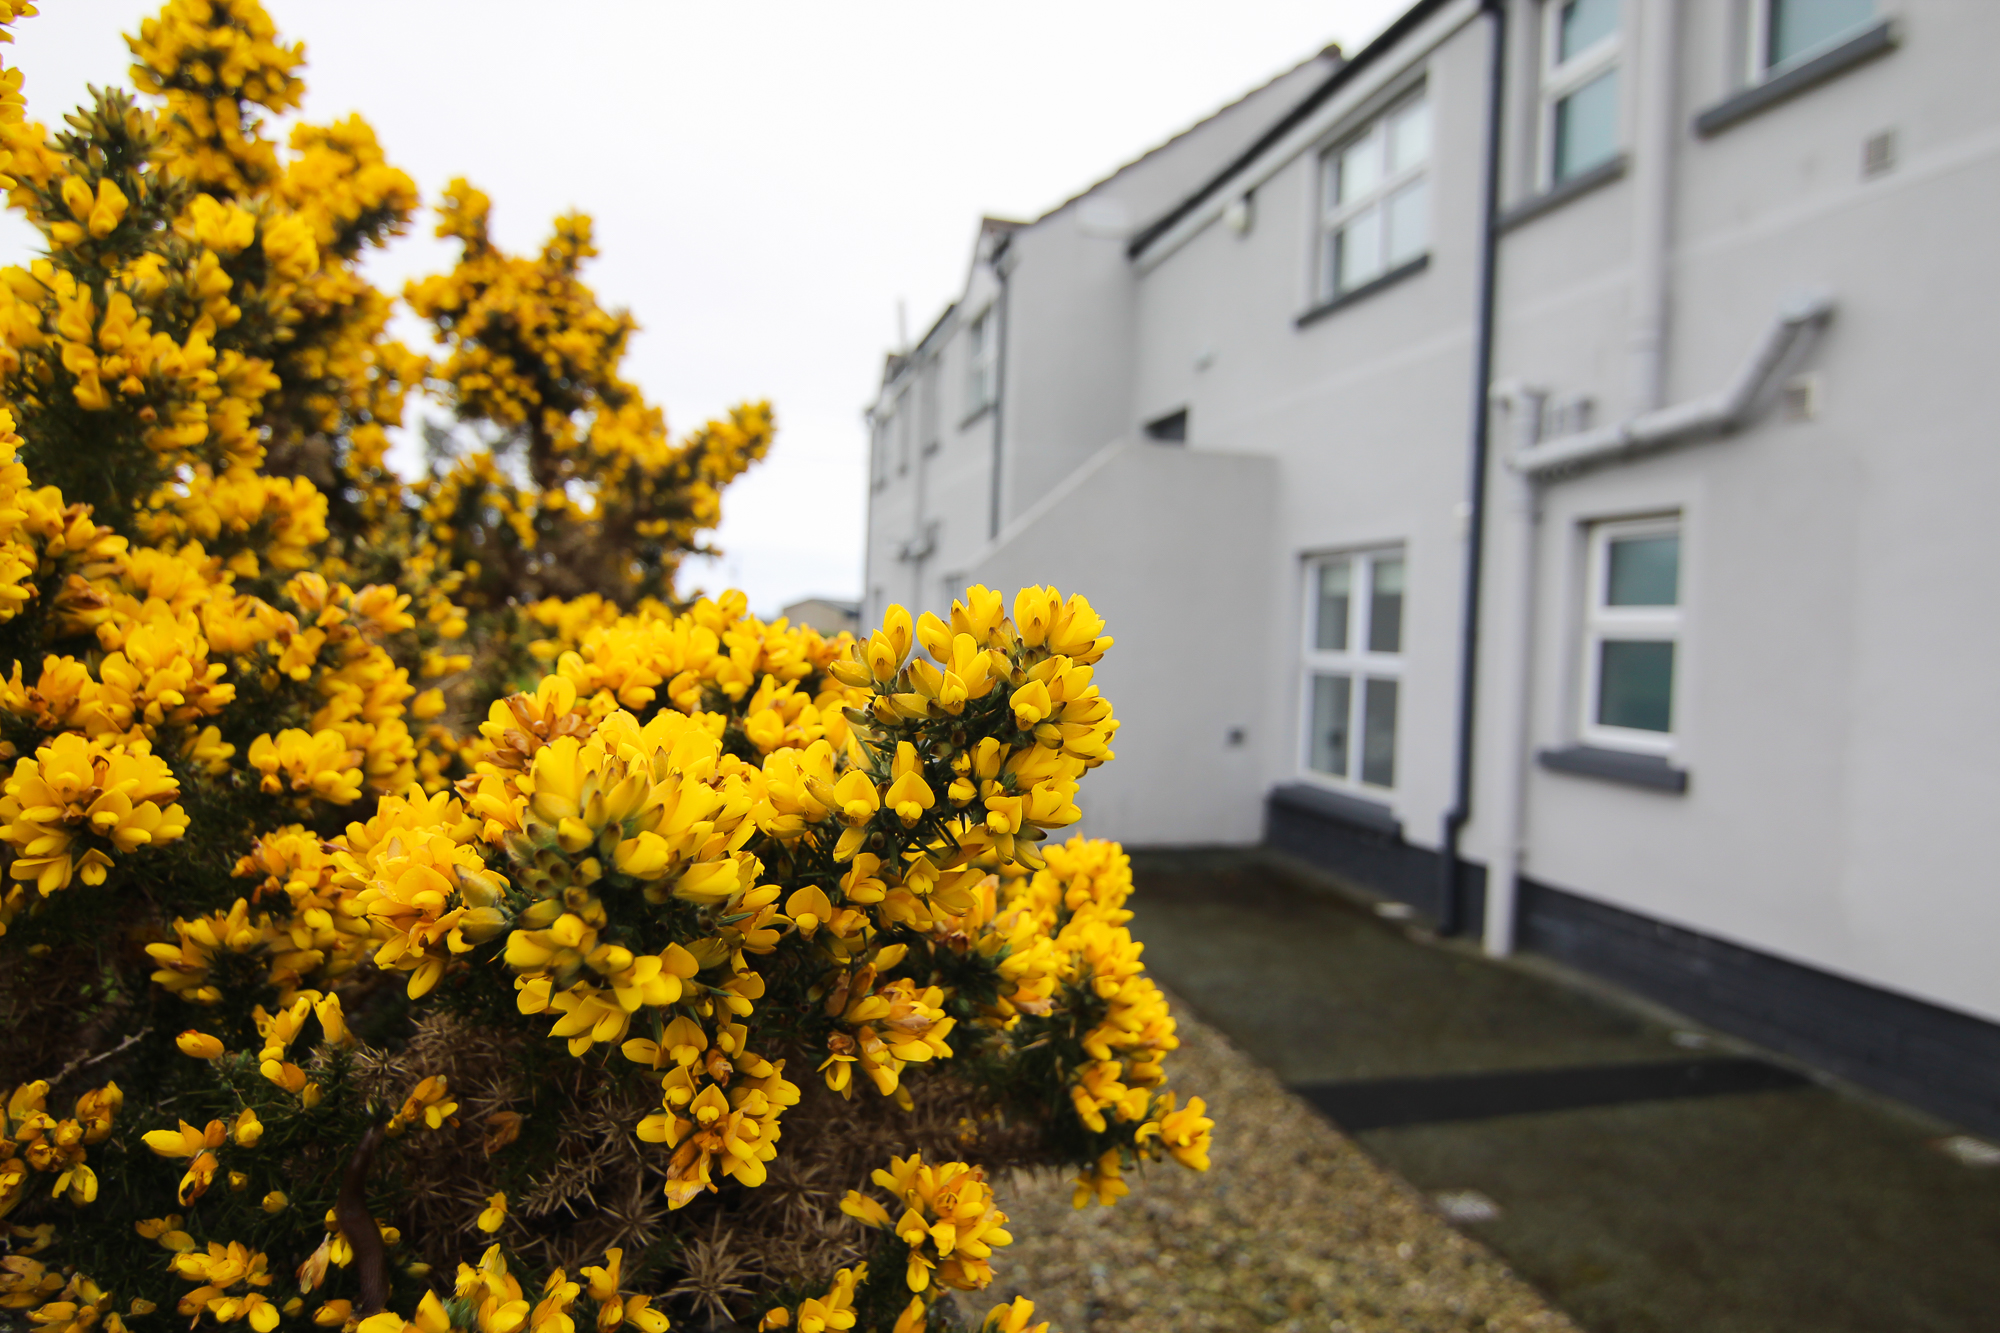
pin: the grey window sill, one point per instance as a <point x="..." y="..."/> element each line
<point x="1863" y="46"/>
<point x="974" y="415"/>
<point x="1347" y="809"/>
<point x="1364" y="291"/>
<point x="1635" y="770"/>
<point x="1556" y="196"/>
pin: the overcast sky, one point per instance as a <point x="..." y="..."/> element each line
<point x="768" y="179"/>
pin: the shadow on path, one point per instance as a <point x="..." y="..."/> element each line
<point x="1646" y="1175"/>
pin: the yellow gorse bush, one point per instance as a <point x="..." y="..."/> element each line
<point x="392" y="872"/>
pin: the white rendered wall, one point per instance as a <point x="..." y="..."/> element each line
<point x="1836" y="712"/>
<point x="1172" y="549"/>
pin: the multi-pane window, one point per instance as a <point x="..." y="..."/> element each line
<point x="1632" y="633"/>
<point x="1580" y="42"/>
<point x="1375" y="199"/>
<point x="982" y="342"/>
<point x="1354" y="666"/>
<point x="1786" y="32"/>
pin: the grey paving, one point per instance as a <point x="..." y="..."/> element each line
<point x="1808" y="1209"/>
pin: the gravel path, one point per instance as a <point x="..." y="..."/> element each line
<point x="1293" y="1227"/>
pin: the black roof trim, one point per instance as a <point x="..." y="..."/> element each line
<point x="1335" y="81"/>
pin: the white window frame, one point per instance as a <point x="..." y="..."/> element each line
<point x="1603" y="621"/>
<point x="1357" y="662"/>
<point x="1562" y="77"/>
<point x="982" y="348"/>
<point x="1759" y="46"/>
<point x="1334" y="218"/>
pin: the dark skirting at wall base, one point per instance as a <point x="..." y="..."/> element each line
<point x="1363" y="844"/>
<point x="1944" y="1062"/>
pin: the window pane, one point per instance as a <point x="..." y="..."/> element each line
<point x="1797" y="26"/>
<point x="1410" y="135"/>
<point x="1336" y="586"/>
<point x="1409" y="221"/>
<point x="1584" y="23"/>
<point x="1587" y="127"/>
<point x="1331" y="696"/>
<point x="1360" y="167"/>
<point x="1378" y="735"/>
<point x="1358" y="250"/>
<point x="1385" y="607"/>
<point x="1635" y="684"/>
<point x="1645" y="571"/>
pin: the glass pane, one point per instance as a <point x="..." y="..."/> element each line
<point x="1378" y="732"/>
<point x="1645" y="571"/>
<point x="1410" y="135"/>
<point x="1409" y="221"/>
<point x="1587" y="127"/>
<point x="1798" y="26"/>
<point x="1358" y="250"/>
<point x="1360" y="167"/>
<point x="1635" y="684"/>
<point x="1336" y="586"/>
<point x="1385" y="607"/>
<point x="1585" y="23"/>
<point x="1331" y="696"/>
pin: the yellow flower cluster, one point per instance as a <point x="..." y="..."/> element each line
<point x="212" y="60"/>
<point x="197" y="1147"/>
<point x="816" y="1314"/>
<point x="489" y="1299"/>
<point x="531" y="350"/>
<point x="37" y="1141"/>
<point x="948" y="1221"/>
<point x="76" y="798"/>
<point x="229" y="1285"/>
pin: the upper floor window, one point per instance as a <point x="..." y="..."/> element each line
<point x="1632" y="633"/>
<point x="878" y="451"/>
<point x="1375" y="202"/>
<point x="1354" y="666"/>
<point x="1580" y="43"/>
<point x="982" y="342"/>
<point x="1786" y="32"/>
<point x="900" y="423"/>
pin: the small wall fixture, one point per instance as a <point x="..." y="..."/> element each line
<point x="1241" y="215"/>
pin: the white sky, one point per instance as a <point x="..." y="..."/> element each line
<point x="768" y="177"/>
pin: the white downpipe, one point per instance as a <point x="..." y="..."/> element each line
<point x="1534" y="465"/>
<point x="1716" y="414"/>
<point x="1654" y="140"/>
<point x="1517" y="503"/>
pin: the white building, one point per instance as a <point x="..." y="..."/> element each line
<point x="1695" y="685"/>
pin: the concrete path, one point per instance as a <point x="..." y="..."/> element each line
<point x="1599" y="1146"/>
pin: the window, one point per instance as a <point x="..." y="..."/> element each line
<point x="927" y="404"/>
<point x="1580" y="43"/>
<point x="983" y="348"/>
<point x="878" y="453"/>
<point x="1788" y="32"/>
<point x="1632" y="634"/>
<point x="1375" y="203"/>
<point x="901" y="425"/>
<point x="1354" y="666"/>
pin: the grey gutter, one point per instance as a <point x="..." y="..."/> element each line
<point x="1367" y="56"/>
<point x="1452" y="912"/>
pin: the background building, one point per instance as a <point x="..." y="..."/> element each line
<point x="1538" y="468"/>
